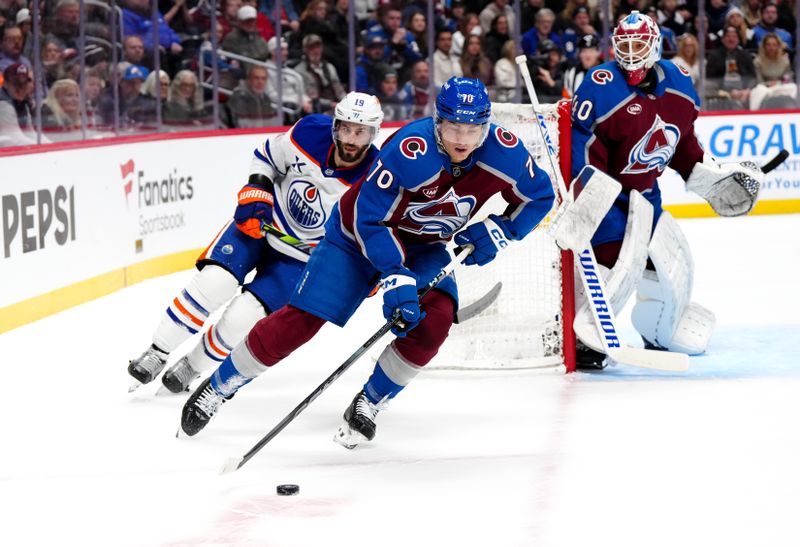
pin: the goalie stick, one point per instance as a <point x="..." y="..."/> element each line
<point x="236" y="463"/>
<point x="779" y="158"/>
<point x="593" y="284"/>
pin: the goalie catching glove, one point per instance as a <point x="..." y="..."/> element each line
<point x="255" y="206"/>
<point x="730" y="188"/>
<point x="487" y="238"/>
<point x="400" y="300"/>
<point x="577" y="219"/>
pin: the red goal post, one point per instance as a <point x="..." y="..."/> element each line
<point x="529" y="326"/>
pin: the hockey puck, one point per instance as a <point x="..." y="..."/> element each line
<point x="288" y="489"/>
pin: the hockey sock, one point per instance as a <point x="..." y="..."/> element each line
<point x="227" y="379"/>
<point x="208" y="290"/>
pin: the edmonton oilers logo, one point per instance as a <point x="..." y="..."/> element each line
<point x="305" y="204"/>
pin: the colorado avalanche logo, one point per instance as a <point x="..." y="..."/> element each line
<point x="602" y="76"/>
<point x="655" y="149"/>
<point x="305" y="204"/>
<point x="441" y="218"/>
<point x="506" y="137"/>
<point x="413" y="147"/>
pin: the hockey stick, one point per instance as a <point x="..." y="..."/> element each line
<point x="235" y="463"/>
<point x="593" y="284"/>
<point x="779" y="158"/>
<point x="463" y="314"/>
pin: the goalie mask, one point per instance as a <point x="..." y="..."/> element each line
<point x="637" y="46"/>
<point x="462" y="112"/>
<point x="357" y="120"/>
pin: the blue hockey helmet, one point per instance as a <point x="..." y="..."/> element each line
<point x="463" y="100"/>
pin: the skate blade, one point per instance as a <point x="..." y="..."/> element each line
<point x="136" y="384"/>
<point x="164" y="392"/>
<point x="348" y="438"/>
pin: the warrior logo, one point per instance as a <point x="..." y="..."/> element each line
<point x="441" y="218"/>
<point x="305" y="204"/>
<point x="413" y="147"/>
<point x="655" y="149"/>
<point x="506" y="137"/>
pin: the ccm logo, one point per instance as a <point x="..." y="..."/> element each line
<point x="499" y="238"/>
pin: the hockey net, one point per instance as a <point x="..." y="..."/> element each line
<point x="529" y="326"/>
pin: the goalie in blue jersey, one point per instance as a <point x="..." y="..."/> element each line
<point x="426" y="184"/>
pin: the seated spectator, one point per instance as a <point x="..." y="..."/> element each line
<point x="445" y="65"/>
<point x="135" y="110"/>
<point x="715" y="13"/>
<point x="735" y="18"/>
<point x="776" y="87"/>
<point x="16" y="114"/>
<point x="61" y="111"/>
<point x="314" y="20"/>
<point x="12" y="49"/>
<point x="688" y="56"/>
<point x="370" y="67"/>
<point x="229" y="70"/>
<point x="589" y="56"/>
<point x="417" y="26"/>
<point x="492" y="10"/>
<point x="669" y="42"/>
<point x="228" y="10"/>
<point x="395" y="108"/>
<point x="474" y="64"/>
<point x="53" y="60"/>
<point x="498" y="35"/>
<point x="751" y="9"/>
<point x="548" y="72"/>
<point x="289" y="16"/>
<point x="250" y="106"/>
<point x="415" y="91"/>
<point x="768" y="23"/>
<point x="401" y="49"/>
<point x="321" y="80"/>
<point x="579" y="26"/>
<point x="133" y="51"/>
<point x="157" y="88"/>
<point x="542" y="30"/>
<point x="505" y="74"/>
<point x="184" y="104"/>
<point x="137" y="19"/>
<point x="244" y="39"/>
<point x="730" y="74"/>
<point x="64" y="23"/>
<point x="674" y="15"/>
<point x="294" y="102"/>
<point x="24" y="22"/>
<point x="94" y="88"/>
<point x="469" y="25"/>
<point x="263" y="23"/>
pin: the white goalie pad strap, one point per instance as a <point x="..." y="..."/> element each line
<point x="576" y="221"/>
<point x="730" y="188"/>
<point x="624" y="277"/>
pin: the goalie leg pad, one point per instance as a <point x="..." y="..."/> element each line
<point x="663" y="314"/>
<point x="218" y="341"/>
<point x="576" y="221"/>
<point x="208" y="290"/>
<point x="624" y="277"/>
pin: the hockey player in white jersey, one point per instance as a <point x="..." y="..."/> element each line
<point x="295" y="180"/>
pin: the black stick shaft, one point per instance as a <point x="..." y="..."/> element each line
<point x="779" y="158"/>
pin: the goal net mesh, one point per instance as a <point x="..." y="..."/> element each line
<point x="524" y="327"/>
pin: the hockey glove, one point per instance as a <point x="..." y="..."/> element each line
<point x="255" y="206"/>
<point x="487" y="237"/>
<point x="400" y="299"/>
<point x="730" y="188"/>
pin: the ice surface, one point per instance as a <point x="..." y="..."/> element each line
<point x="626" y="457"/>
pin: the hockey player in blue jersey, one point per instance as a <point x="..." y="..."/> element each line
<point x="428" y="181"/>
<point x="632" y="118"/>
<point x="295" y="180"/>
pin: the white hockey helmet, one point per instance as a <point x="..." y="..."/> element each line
<point x="637" y="46"/>
<point x="360" y="108"/>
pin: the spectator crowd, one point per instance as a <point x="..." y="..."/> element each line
<point x="271" y="72"/>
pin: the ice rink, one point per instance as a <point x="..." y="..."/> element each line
<point x="626" y="457"/>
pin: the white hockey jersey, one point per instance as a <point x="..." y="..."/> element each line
<point x="307" y="184"/>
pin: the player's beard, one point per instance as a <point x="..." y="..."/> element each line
<point x="350" y="153"/>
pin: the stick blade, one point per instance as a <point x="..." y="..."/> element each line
<point x="231" y="465"/>
<point x="653" y="359"/>
<point x="480" y="305"/>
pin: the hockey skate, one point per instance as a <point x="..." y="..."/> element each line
<point x="178" y="377"/>
<point x="201" y="406"/>
<point x="359" y="421"/>
<point x="147" y="366"/>
<point x="588" y="359"/>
